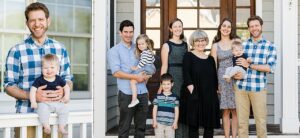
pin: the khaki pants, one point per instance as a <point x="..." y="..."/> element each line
<point x="163" y="131"/>
<point x="258" y="100"/>
<point x="31" y="133"/>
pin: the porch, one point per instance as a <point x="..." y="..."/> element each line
<point x="273" y="132"/>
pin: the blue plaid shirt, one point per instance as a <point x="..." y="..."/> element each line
<point x="23" y="66"/>
<point x="261" y="52"/>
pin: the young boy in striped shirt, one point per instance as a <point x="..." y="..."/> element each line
<point x="165" y="109"/>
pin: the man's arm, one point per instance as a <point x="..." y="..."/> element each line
<point x="17" y="93"/>
<point x="139" y="78"/>
<point x="263" y="68"/>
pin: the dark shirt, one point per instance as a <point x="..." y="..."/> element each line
<point x="40" y="81"/>
<point x="234" y="58"/>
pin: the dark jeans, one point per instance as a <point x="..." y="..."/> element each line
<point x="194" y="132"/>
<point x="139" y="113"/>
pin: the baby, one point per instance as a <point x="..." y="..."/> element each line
<point x="238" y="52"/>
<point x="49" y="77"/>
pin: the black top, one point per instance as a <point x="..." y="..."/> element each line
<point x="234" y="58"/>
<point x="201" y="108"/>
<point x="40" y="81"/>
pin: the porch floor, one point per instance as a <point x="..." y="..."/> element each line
<point x="272" y="130"/>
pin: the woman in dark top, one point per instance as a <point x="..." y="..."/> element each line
<point x="201" y="83"/>
<point x="172" y="53"/>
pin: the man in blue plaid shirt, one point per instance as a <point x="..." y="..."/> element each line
<point x="252" y="88"/>
<point x="23" y="62"/>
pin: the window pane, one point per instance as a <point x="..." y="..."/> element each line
<point x="80" y="50"/>
<point x="211" y="34"/>
<point x="153" y="17"/>
<point x="65" y="19"/>
<point x="187" y="3"/>
<point x="152" y="2"/>
<point x="209" y="3"/>
<point x="80" y="82"/>
<point x="52" y="12"/>
<point x="15" y="18"/>
<point x="243" y="3"/>
<point x="187" y="34"/>
<point x="188" y="17"/>
<point x="209" y="18"/>
<point x="241" y="17"/>
<point x="87" y="3"/>
<point x="155" y="36"/>
<point x="83" y="20"/>
<point x="243" y="33"/>
<point x="66" y="41"/>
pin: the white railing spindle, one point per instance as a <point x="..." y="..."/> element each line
<point x="83" y="130"/>
<point x="39" y="131"/>
<point x="6" y="133"/>
<point x="54" y="133"/>
<point x="23" y="132"/>
<point x="70" y="131"/>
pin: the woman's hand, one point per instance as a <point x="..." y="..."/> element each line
<point x="191" y="88"/>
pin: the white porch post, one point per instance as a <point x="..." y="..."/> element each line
<point x="100" y="39"/>
<point x="289" y="48"/>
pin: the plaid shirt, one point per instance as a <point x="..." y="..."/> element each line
<point x="23" y="66"/>
<point x="262" y="52"/>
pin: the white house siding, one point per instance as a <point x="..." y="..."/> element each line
<point x="124" y="11"/>
<point x="268" y="33"/>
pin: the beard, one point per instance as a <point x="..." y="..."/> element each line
<point x="40" y="34"/>
<point x="258" y="35"/>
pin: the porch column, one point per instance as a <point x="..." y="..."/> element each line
<point x="98" y="62"/>
<point x="289" y="51"/>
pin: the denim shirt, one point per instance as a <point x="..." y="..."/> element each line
<point x="122" y="58"/>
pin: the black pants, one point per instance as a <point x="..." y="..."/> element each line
<point x="194" y="132"/>
<point x="139" y="113"/>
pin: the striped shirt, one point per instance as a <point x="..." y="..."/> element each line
<point x="23" y="66"/>
<point x="262" y="52"/>
<point x="147" y="57"/>
<point x="166" y="108"/>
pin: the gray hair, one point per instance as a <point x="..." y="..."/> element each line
<point x="196" y="35"/>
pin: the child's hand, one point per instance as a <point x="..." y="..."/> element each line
<point x="34" y="105"/>
<point x="174" y="125"/>
<point x="249" y="60"/>
<point x="134" y="68"/>
<point x="154" y="124"/>
<point x="65" y="99"/>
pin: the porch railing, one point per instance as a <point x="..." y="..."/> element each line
<point x="9" y="121"/>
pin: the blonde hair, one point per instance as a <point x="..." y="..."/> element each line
<point x="148" y="41"/>
<point x="196" y="35"/>
<point x="50" y="58"/>
<point x="236" y="44"/>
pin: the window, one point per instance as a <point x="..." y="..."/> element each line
<point x="195" y="14"/>
<point x="70" y="24"/>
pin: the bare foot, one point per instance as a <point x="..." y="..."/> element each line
<point x="47" y="129"/>
<point x="62" y="130"/>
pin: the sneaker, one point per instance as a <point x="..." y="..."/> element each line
<point x="133" y="103"/>
<point x="149" y="103"/>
